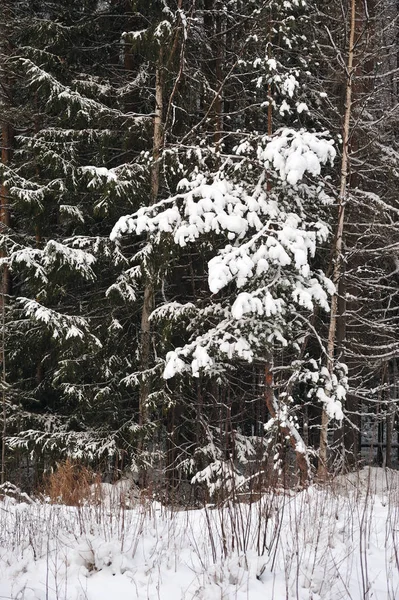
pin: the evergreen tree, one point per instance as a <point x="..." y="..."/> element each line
<point x="75" y="167"/>
<point x="250" y="211"/>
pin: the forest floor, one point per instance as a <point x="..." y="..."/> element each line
<point x="335" y="542"/>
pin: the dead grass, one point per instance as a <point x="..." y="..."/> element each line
<point x="73" y="484"/>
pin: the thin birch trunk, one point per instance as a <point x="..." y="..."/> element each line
<point x="338" y="244"/>
<point x="149" y="289"/>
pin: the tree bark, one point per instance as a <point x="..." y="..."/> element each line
<point x="7" y="143"/>
<point x="6" y="151"/>
<point x="288" y="431"/>
<point x="149" y="290"/>
<point x="338" y="243"/>
<point x="389" y="432"/>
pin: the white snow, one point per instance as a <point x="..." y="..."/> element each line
<point x="293" y="153"/>
<point x="333" y="543"/>
<point x="174" y="365"/>
<point x="246" y="303"/>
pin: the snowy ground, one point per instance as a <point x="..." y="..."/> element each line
<point x="330" y="544"/>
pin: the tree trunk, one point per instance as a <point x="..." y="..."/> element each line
<point x="219" y="79"/>
<point x="389" y="430"/>
<point x="149" y="291"/>
<point x="289" y="431"/>
<point x="7" y="142"/>
<point x="338" y="243"/>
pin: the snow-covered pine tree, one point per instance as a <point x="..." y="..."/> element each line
<point x="82" y="124"/>
<point x="242" y="228"/>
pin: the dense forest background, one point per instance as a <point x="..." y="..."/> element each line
<point x="199" y="239"/>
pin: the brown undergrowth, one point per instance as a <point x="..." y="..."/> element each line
<point x="73" y="484"/>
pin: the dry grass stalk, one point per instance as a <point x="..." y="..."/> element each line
<point x="73" y="484"/>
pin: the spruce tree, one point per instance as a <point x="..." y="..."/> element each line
<point x="243" y="225"/>
<point x="76" y="166"/>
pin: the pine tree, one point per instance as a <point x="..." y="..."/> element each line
<point x="75" y="167"/>
<point x="250" y="210"/>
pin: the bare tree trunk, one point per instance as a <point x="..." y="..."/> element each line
<point x="219" y="80"/>
<point x="395" y="389"/>
<point x="389" y="430"/>
<point x="339" y="445"/>
<point x="160" y="121"/>
<point x="338" y="243"/>
<point x="7" y="142"/>
<point x="148" y="302"/>
<point x="4" y="399"/>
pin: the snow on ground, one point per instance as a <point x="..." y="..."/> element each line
<point x="339" y="542"/>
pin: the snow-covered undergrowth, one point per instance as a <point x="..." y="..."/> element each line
<point x="339" y="542"/>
